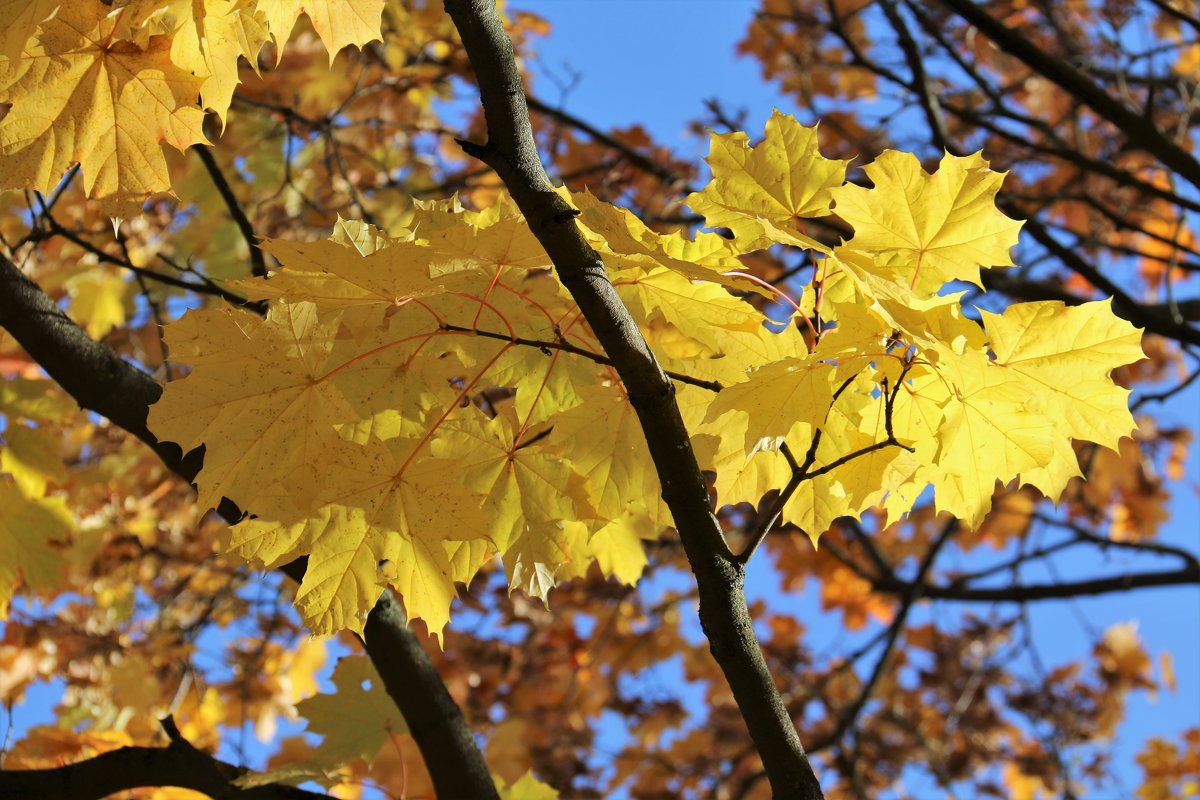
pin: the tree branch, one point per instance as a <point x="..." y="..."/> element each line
<point x="101" y="381"/>
<point x="1139" y="129"/>
<point x="178" y="764"/>
<point x="1188" y="575"/>
<point x="258" y="266"/>
<point x="724" y="616"/>
<point x="647" y="165"/>
<point x="567" y="347"/>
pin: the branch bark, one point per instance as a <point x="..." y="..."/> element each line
<point x="512" y="153"/>
<point x="178" y="764"/>
<point x="101" y="381"/>
<point x="1188" y="575"/>
<point x="1139" y="129"/>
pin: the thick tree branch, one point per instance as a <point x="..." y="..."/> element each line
<point x="1139" y="128"/>
<point x="101" y="381"/>
<point x="178" y="764"/>
<point x="512" y="152"/>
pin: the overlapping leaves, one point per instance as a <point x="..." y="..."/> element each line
<point x="416" y="403"/>
<point x="104" y="84"/>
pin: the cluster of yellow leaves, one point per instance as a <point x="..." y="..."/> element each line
<point x="415" y="403"/>
<point x="103" y="84"/>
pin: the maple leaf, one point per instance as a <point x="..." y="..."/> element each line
<point x="35" y="400"/>
<point x="354" y="721"/>
<point x="28" y="526"/>
<point x="260" y="380"/>
<point x="604" y="442"/>
<point x="762" y="193"/>
<point x="209" y="38"/>
<point x="98" y="300"/>
<point x="994" y="428"/>
<point x="339" y="23"/>
<point x="705" y="311"/>
<point x="1069" y="353"/>
<point x="526" y="787"/>
<point x="778" y="396"/>
<point x="79" y="96"/>
<point x="924" y="230"/>
<point x="530" y="496"/>
<point x="22" y="18"/>
<point x="847" y="476"/>
<point x="617" y="548"/>
<point x="31" y="456"/>
<point x="381" y="516"/>
<point x="626" y="243"/>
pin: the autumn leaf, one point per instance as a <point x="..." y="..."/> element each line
<point x="925" y="230"/>
<point x="338" y="22"/>
<point x="355" y="720"/>
<point x="78" y="96"/>
<point x="776" y="397"/>
<point x="380" y="516"/>
<point x="763" y="193"/>
<point x="994" y="428"/>
<point x="526" y="787"/>
<point x="530" y="497"/>
<point x="1070" y="353"/>
<point x="31" y="456"/>
<point x="28" y="529"/>
<point x="267" y="377"/>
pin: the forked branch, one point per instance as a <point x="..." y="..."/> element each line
<point x="511" y="151"/>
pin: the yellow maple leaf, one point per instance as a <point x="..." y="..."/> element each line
<point x="40" y="400"/>
<point x="210" y="37"/>
<point x="762" y="193"/>
<point x="778" y="396"/>
<point x="617" y="548"/>
<point x="849" y="488"/>
<point x="27" y="528"/>
<point x="626" y="243"/>
<point x="21" y="21"/>
<point x="916" y="416"/>
<point x="79" y="96"/>
<point x="526" y="787"/>
<point x="260" y="382"/>
<point x="338" y="22"/>
<point x="383" y="516"/>
<point x="994" y="428"/>
<point x="923" y="230"/>
<point x="531" y="498"/>
<point x="98" y="300"/>
<point x="702" y="311"/>
<point x="1069" y="353"/>
<point x="603" y="439"/>
<point x="31" y="456"/>
<point x="356" y="720"/>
